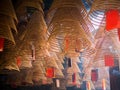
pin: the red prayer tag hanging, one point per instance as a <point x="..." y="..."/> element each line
<point x="18" y="61"/>
<point x="94" y="75"/>
<point x="119" y="33"/>
<point x="77" y="45"/>
<point x="109" y="60"/>
<point x="50" y="72"/>
<point x="112" y="18"/>
<point x="66" y="43"/>
<point x="1" y="44"/>
<point x="74" y="78"/>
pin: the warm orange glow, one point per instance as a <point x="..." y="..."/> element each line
<point x="103" y="84"/>
<point x="88" y="85"/>
<point x="18" y="61"/>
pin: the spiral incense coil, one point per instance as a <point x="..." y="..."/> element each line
<point x="78" y="10"/>
<point x="6" y="8"/>
<point x="73" y="31"/>
<point x="63" y="14"/>
<point x="36" y="27"/>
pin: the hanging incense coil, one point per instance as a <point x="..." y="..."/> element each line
<point x="68" y="27"/>
<point x="6" y="8"/>
<point x="69" y="13"/>
<point x="36" y="29"/>
<point x="77" y="14"/>
<point x="71" y="33"/>
<point x="63" y="14"/>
